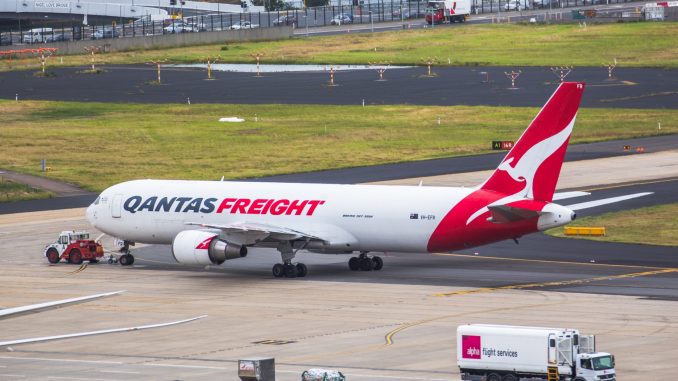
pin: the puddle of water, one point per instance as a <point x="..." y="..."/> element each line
<point x="252" y="68"/>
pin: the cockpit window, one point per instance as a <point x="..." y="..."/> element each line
<point x="96" y="202"/>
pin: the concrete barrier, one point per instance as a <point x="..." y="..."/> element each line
<point x="583" y="230"/>
<point x="166" y="41"/>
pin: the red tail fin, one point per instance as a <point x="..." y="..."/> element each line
<point x="532" y="167"/>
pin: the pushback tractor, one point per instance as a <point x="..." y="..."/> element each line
<point x="74" y="247"/>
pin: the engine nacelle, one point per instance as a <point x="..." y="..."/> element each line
<point x="199" y="247"/>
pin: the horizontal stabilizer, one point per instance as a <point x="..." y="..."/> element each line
<point x="605" y="201"/>
<point x="565" y="195"/>
<point x="504" y="213"/>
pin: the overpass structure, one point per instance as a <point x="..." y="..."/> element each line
<point x="82" y="11"/>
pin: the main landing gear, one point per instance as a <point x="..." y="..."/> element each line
<point x="288" y="269"/>
<point x="365" y="263"/>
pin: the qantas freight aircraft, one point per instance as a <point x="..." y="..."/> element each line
<point x="209" y="222"/>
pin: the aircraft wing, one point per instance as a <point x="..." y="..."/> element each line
<point x="34" y="308"/>
<point x="249" y="232"/>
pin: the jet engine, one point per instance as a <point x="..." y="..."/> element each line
<point x="199" y="247"/>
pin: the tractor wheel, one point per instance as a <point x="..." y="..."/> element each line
<point x="53" y="256"/>
<point x="75" y="257"/>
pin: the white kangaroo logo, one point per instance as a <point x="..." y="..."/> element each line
<point x="526" y="167"/>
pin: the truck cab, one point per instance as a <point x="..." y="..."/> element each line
<point x="439" y="11"/>
<point x="595" y="366"/>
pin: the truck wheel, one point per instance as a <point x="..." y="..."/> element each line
<point x="510" y="377"/>
<point x="75" y="257"/>
<point x="53" y="255"/>
<point x="493" y="377"/>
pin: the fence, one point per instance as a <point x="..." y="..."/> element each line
<point x="368" y="13"/>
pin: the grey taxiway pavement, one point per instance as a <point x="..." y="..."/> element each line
<point x="471" y="85"/>
<point x="394" y="171"/>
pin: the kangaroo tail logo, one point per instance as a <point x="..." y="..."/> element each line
<point x="532" y="167"/>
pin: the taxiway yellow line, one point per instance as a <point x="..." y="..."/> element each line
<point x="389" y="336"/>
<point x="556" y="283"/>
<point x="553" y="262"/>
<point x="80" y="269"/>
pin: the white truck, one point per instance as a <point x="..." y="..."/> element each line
<point x="509" y="353"/>
<point x="447" y="10"/>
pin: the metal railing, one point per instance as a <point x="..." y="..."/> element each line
<point x="373" y="12"/>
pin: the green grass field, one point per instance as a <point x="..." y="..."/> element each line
<point x="656" y="225"/>
<point x="96" y="144"/>
<point x="633" y="44"/>
<point x="11" y="191"/>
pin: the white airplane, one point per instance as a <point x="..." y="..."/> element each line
<point x="209" y="222"/>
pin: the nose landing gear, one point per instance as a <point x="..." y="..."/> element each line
<point x="363" y="262"/>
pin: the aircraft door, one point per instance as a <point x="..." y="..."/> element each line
<point x="552" y="349"/>
<point x="116" y="205"/>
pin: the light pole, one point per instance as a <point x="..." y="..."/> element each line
<point x="371" y="21"/>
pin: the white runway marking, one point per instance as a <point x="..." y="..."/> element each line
<point x="60" y="360"/>
<point x="84" y="379"/>
<point x="188" y="366"/>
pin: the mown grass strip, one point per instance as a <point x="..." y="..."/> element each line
<point x="632" y="44"/>
<point x="11" y="191"/>
<point x="97" y="144"/>
<point x="655" y="225"/>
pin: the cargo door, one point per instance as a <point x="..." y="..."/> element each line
<point x="565" y="351"/>
<point x="552" y="348"/>
<point x="116" y="205"/>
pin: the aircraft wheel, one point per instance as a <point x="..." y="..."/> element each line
<point x="354" y="264"/>
<point x="75" y="257"/>
<point x="510" y="377"/>
<point x="290" y="271"/>
<point x="366" y="264"/>
<point x="53" y="256"/>
<point x="278" y="270"/>
<point x="131" y="259"/>
<point x="377" y="263"/>
<point x="302" y="270"/>
<point x="493" y="377"/>
<point x="124" y="260"/>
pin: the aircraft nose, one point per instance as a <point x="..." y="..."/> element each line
<point x="91" y="215"/>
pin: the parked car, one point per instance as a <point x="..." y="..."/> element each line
<point x="179" y="27"/>
<point x="5" y="39"/>
<point x="243" y="25"/>
<point x="56" y="38"/>
<point x="545" y="4"/>
<point x="105" y="33"/>
<point x="516" y="5"/>
<point x="341" y="19"/>
<point x="285" y="20"/>
<point x="37" y="35"/>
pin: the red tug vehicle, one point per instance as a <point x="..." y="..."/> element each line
<point x="74" y="247"/>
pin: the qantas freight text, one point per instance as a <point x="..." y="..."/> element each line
<point x="274" y="207"/>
